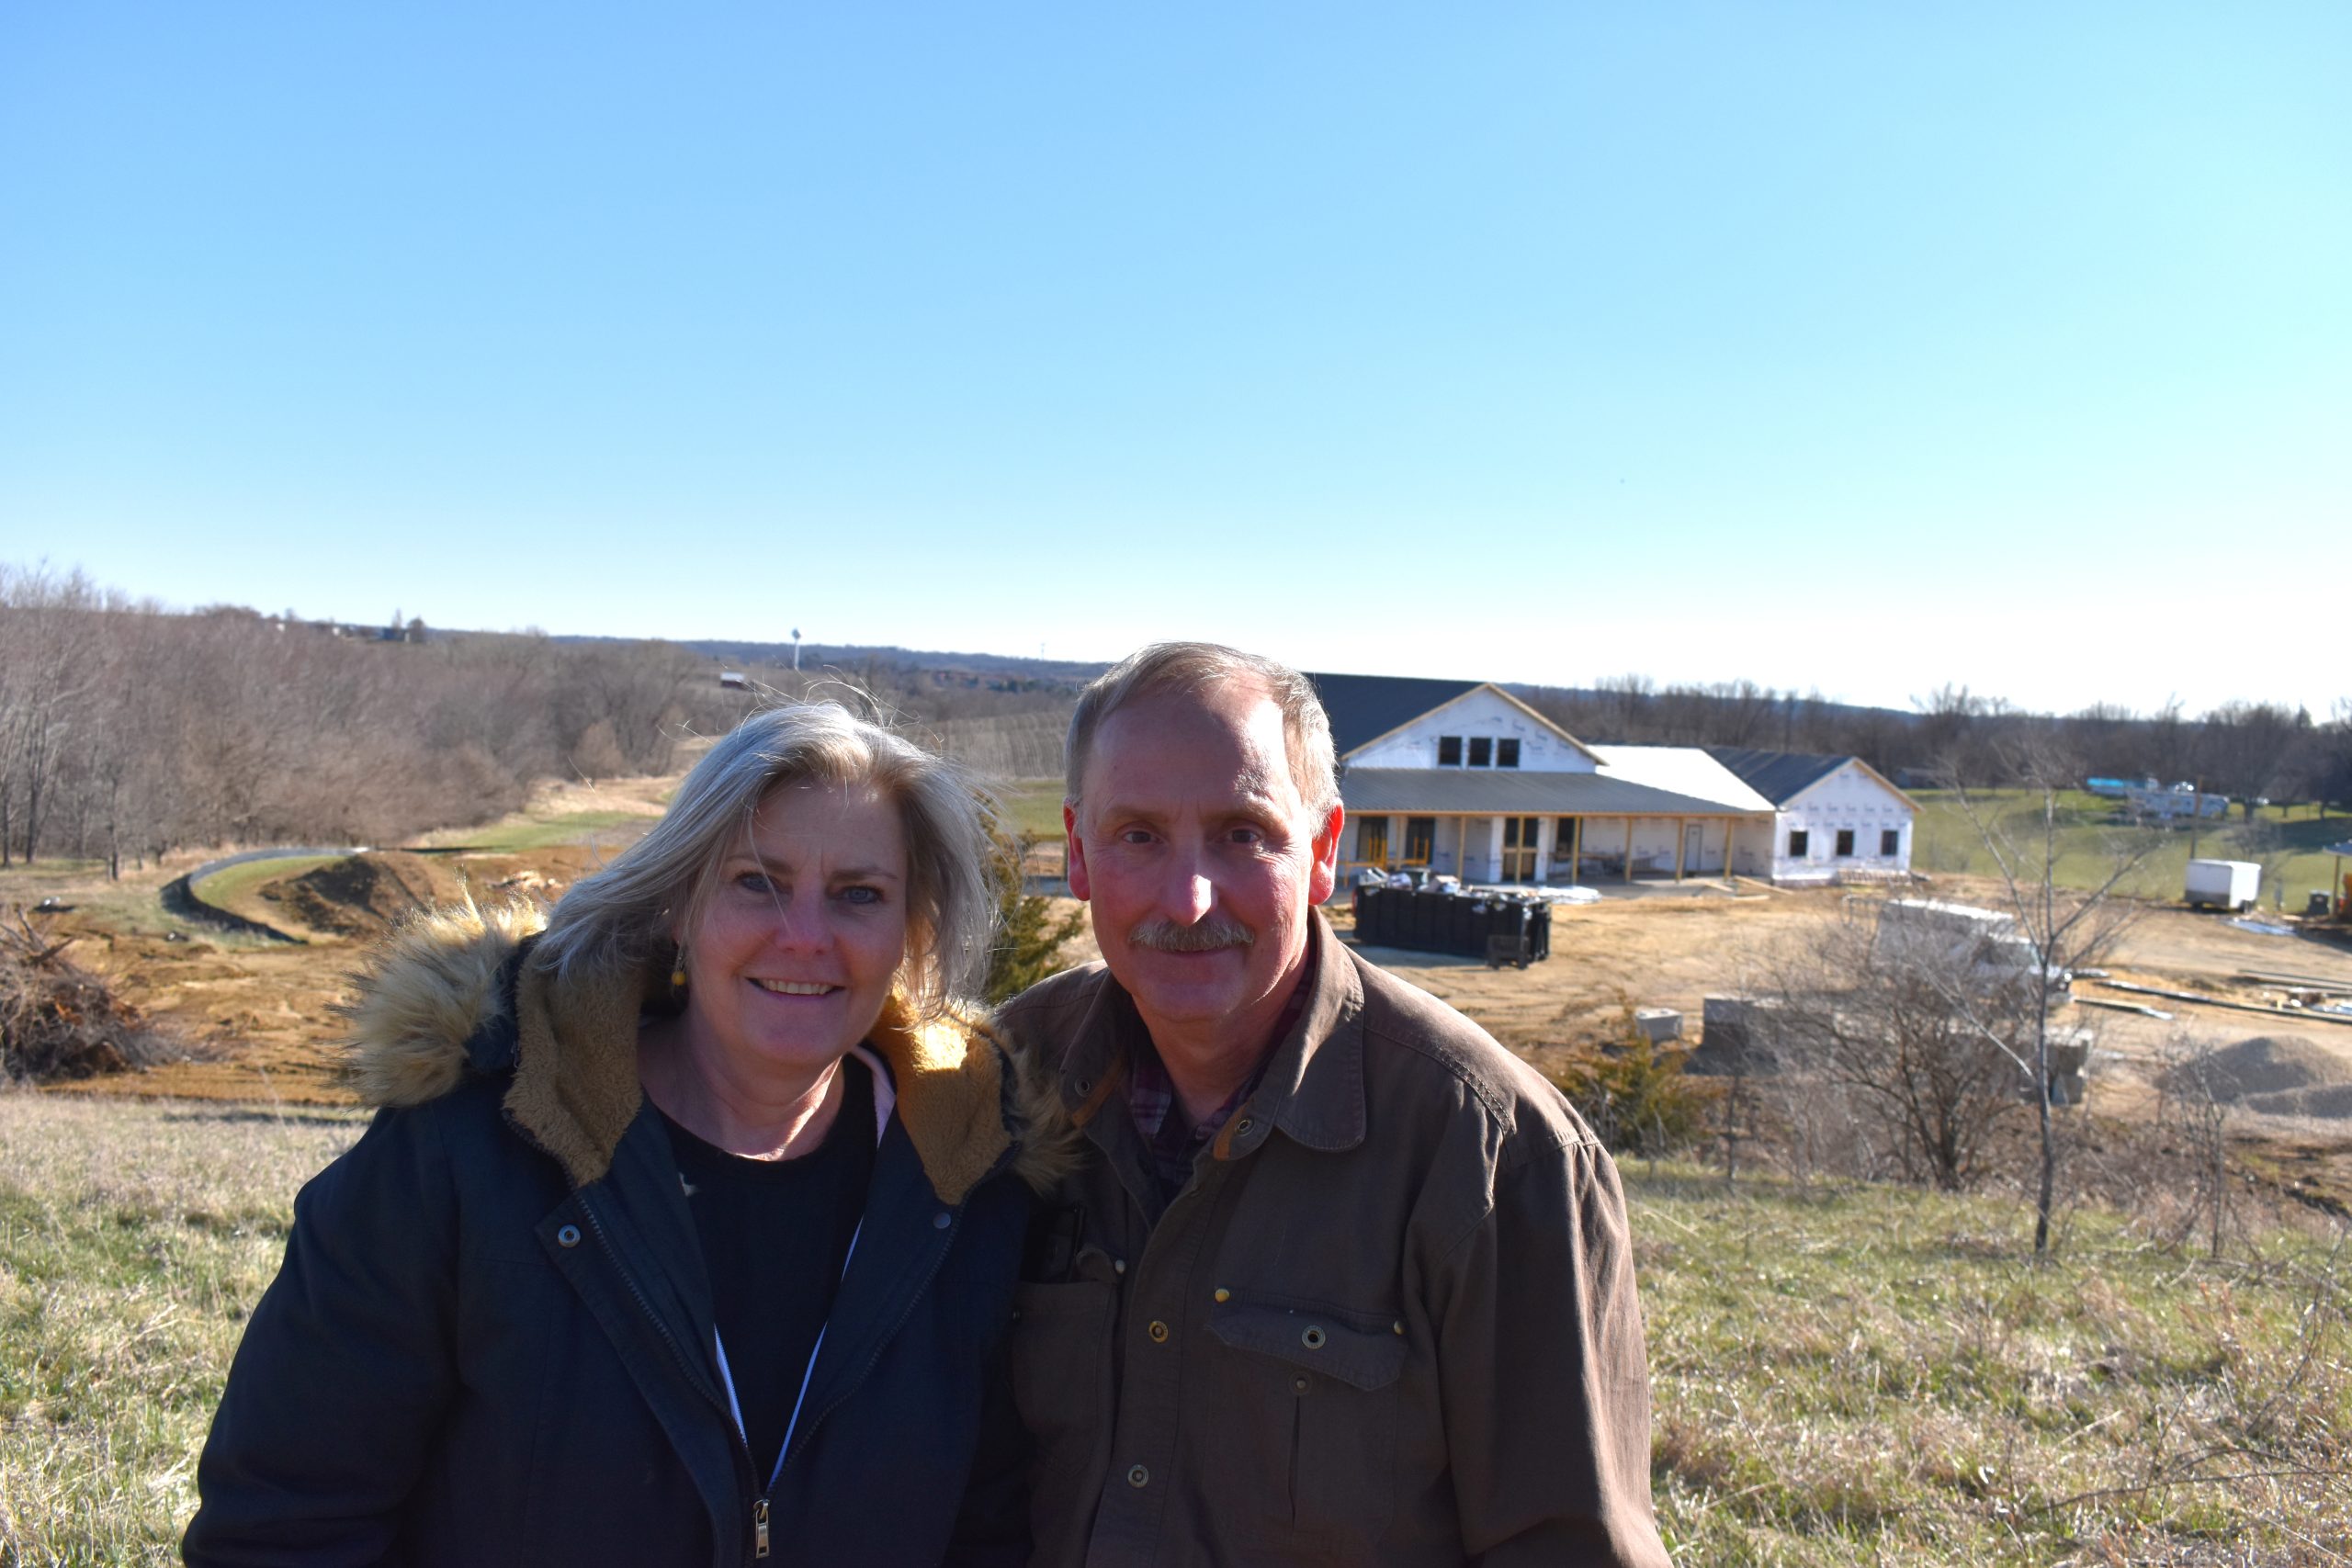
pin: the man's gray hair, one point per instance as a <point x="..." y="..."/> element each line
<point x="1188" y="667"/>
<point x="627" y="912"/>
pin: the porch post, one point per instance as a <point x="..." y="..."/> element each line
<point x="1629" y="849"/>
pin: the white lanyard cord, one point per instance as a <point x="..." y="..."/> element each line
<point x="735" y="1408"/>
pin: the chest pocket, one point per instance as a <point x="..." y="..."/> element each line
<point x="1315" y="1402"/>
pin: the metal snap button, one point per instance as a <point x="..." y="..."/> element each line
<point x="1119" y="1265"/>
<point x="1312" y="1338"/>
<point x="1223" y="1294"/>
<point x="1158" y="1332"/>
<point x="1299" y="1383"/>
<point x="1241" y="1126"/>
<point x="1139" y="1476"/>
<point x="1398" y="1326"/>
<point x="942" y="1220"/>
<point x="1083" y="1086"/>
<point x="568" y="1237"/>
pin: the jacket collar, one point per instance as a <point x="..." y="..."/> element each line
<point x="1313" y="1086"/>
<point x="456" y="992"/>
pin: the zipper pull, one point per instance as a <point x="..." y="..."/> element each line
<point x="760" y="1527"/>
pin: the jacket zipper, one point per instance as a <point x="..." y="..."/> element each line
<point x="637" y="1292"/>
<point x="800" y="1439"/>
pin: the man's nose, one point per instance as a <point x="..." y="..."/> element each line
<point x="1189" y="894"/>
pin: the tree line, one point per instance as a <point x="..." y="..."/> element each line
<point x="2243" y="749"/>
<point x="128" y="731"/>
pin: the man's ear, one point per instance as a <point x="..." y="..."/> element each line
<point x="1074" y="853"/>
<point x="1326" y="875"/>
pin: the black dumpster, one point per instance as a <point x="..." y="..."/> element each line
<point x="1501" y="928"/>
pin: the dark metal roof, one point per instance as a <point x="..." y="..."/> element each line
<point x="1506" y="791"/>
<point x="1779" y="777"/>
<point x="1365" y="707"/>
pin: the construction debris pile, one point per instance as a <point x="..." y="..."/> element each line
<point x="58" y="1022"/>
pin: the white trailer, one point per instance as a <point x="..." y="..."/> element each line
<point x="2232" y="884"/>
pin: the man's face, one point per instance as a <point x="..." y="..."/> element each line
<point x="1199" y="858"/>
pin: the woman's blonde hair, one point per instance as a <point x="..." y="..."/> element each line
<point x="627" y="912"/>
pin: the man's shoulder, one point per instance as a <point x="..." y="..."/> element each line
<point x="1434" y="1050"/>
<point x="1052" y="1004"/>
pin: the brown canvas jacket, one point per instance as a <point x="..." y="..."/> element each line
<point x="1391" y="1319"/>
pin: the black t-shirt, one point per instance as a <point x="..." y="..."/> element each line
<point x="775" y="1235"/>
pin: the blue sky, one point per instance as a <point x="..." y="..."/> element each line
<point x="1843" y="346"/>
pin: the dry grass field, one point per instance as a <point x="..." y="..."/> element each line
<point x="1843" y="1373"/>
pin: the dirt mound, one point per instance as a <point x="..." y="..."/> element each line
<point x="364" y="895"/>
<point x="59" y="1022"/>
<point x="2273" y="1075"/>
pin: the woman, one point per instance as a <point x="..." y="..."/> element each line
<point x="689" y="1231"/>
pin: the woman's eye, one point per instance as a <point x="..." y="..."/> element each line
<point x="756" y="882"/>
<point x="859" y="894"/>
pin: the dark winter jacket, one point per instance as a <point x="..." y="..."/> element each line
<point x="491" y="1340"/>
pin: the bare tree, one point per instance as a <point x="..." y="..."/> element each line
<point x="1922" y="1031"/>
<point x="2068" y="928"/>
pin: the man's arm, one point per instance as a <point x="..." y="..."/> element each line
<point x="1542" y="1371"/>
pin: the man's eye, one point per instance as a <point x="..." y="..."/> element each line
<point x="1134" y="836"/>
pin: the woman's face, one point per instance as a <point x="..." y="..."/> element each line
<point x="792" y="956"/>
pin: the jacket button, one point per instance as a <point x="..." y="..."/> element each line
<point x="568" y="1237"/>
<point x="942" y="1220"/>
<point x="1158" y="1332"/>
<point x="1312" y="1338"/>
<point x="1223" y="1294"/>
<point x="1139" y="1476"/>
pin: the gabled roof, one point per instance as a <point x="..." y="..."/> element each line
<point x="1508" y="792"/>
<point x="1366" y="708"/>
<point x="1781" y="776"/>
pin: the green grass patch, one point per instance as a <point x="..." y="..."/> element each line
<point x="237" y="888"/>
<point x="572" y="828"/>
<point x="1033" y="806"/>
<point x="2092" y="832"/>
<point x="1884" y="1374"/>
<point x="134" y="1239"/>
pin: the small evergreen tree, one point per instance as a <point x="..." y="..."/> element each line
<point x="1029" y="934"/>
<point x="1636" y="1095"/>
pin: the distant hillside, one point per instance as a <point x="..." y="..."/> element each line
<point x="847" y="656"/>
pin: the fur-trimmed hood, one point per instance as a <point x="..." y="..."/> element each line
<point x="445" y="998"/>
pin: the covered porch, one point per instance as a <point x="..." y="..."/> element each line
<point x="1538" y="830"/>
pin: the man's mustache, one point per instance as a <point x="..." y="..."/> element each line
<point x="1208" y="934"/>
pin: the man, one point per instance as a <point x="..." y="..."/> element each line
<point x="1334" y="1278"/>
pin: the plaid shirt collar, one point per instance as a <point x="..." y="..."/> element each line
<point x="1171" y="1145"/>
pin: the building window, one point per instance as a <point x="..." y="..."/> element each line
<point x="1844" y="842"/>
<point x="1507" y="753"/>
<point x="1372" y="839"/>
<point x="1482" y="751"/>
<point x="1448" y="751"/>
<point x="1798" y="840"/>
<point x="1421" y="840"/>
<point x="1890" y="842"/>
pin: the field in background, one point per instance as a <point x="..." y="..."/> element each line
<point x="1032" y="806"/>
<point x="1840" y="1375"/>
<point x="2284" y="840"/>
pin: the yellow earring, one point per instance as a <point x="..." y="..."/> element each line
<point x="678" y="972"/>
